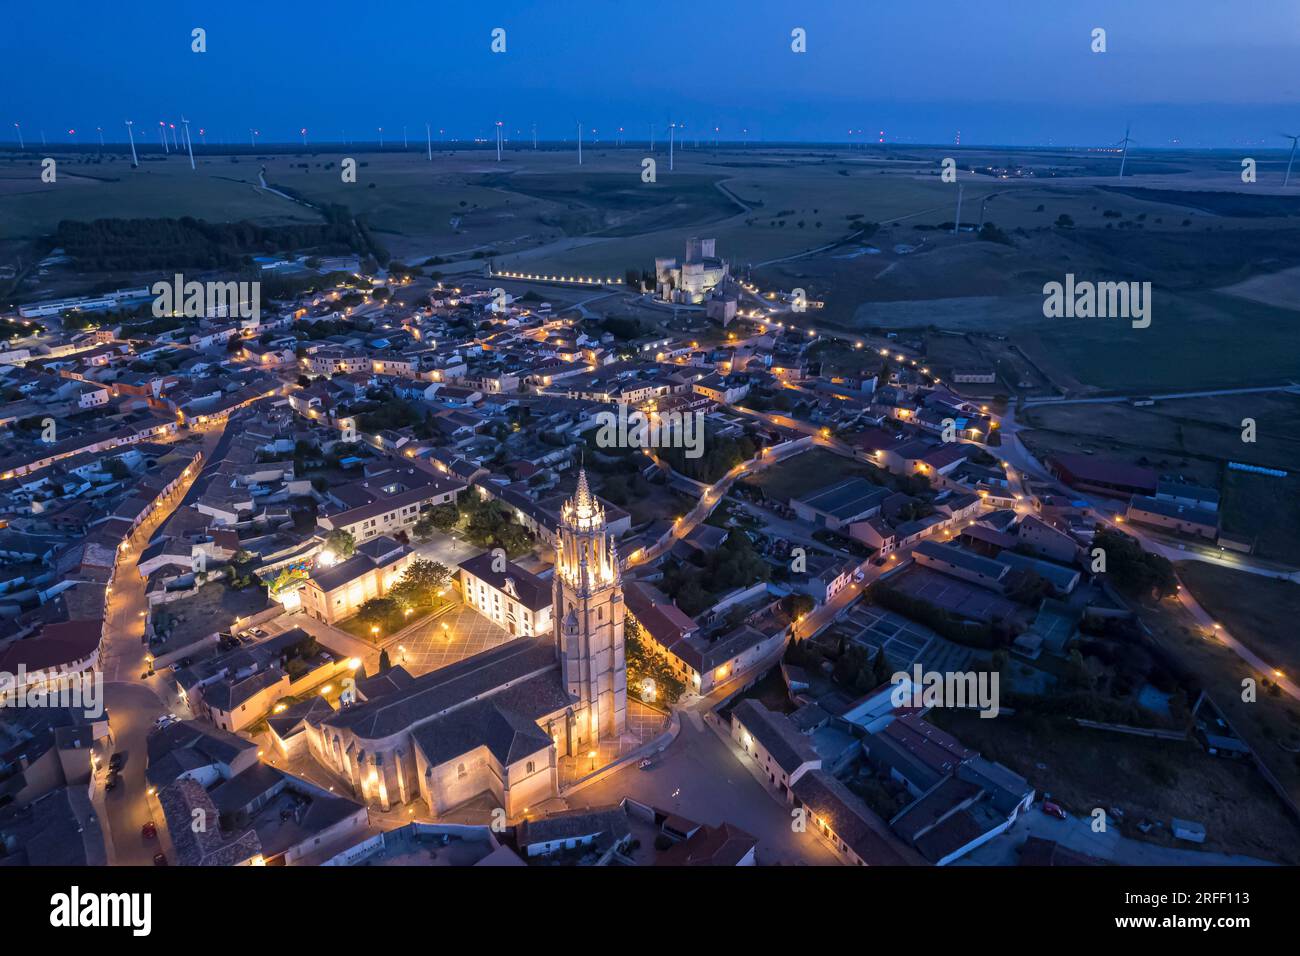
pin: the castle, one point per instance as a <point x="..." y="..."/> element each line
<point x="498" y="721"/>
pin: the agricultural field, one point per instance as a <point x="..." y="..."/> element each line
<point x="220" y="190"/>
<point x="1258" y="611"/>
<point x="1208" y="427"/>
<point x="1265" y="510"/>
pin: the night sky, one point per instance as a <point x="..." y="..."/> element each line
<point x="1013" y="72"/>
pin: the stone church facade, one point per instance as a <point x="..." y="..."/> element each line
<point x="498" y="721"/>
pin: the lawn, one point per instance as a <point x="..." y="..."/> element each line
<point x="358" y="628"/>
<point x="1260" y="612"/>
<point x="809" y="472"/>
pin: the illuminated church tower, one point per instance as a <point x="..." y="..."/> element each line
<point x="588" y="613"/>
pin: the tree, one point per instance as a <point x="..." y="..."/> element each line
<point x="440" y="518"/>
<point x="379" y="612"/>
<point x="341" y="543"/>
<point x="420" y="583"/>
<point x="644" y="661"/>
<point x="880" y="668"/>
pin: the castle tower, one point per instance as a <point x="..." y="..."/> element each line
<point x="588" y="614"/>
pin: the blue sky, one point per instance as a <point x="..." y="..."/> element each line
<point x="1196" y="72"/>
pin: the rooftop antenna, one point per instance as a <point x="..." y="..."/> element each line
<point x="1294" y="139"/>
<point x="134" y="161"/>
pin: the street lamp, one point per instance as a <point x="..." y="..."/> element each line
<point x="592" y="755"/>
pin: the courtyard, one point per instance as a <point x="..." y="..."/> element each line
<point x="444" y="638"/>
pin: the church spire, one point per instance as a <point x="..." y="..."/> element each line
<point x="583" y="500"/>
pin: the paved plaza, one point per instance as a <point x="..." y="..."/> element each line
<point x="644" y="724"/>
<point x="429" y="645"/>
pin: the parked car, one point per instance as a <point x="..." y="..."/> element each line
<point x="149" y="831"/>
<point x="1054" y="810"/>
<point x="258" y="632"/>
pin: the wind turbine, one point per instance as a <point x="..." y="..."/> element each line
<point x="672" y="129"/>
<point x="579" y="143"/>
<point x="1294" y="139"/>
<point x="73" y="134"/>
<point x="1123" y="159"/>
<point x="175" y="145"/>
<point x="303" y="131"/>
<point x="189" y="146"/>
<point x="134" y="161"/>
<point x="428" y="139"/>
<point x="203" y="136"/>
<point x="19" y="127"/>
<point x="381" y="137"/>
<point x="252" y="137"/>
<point x="957" y="223"/>
<point x="534" y="136"/>
<point x="100" y="131"/>
<point x="405" y="144"/>
<point x="162" y="135"/>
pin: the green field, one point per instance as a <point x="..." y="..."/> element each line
<point x="220" y="191"/>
